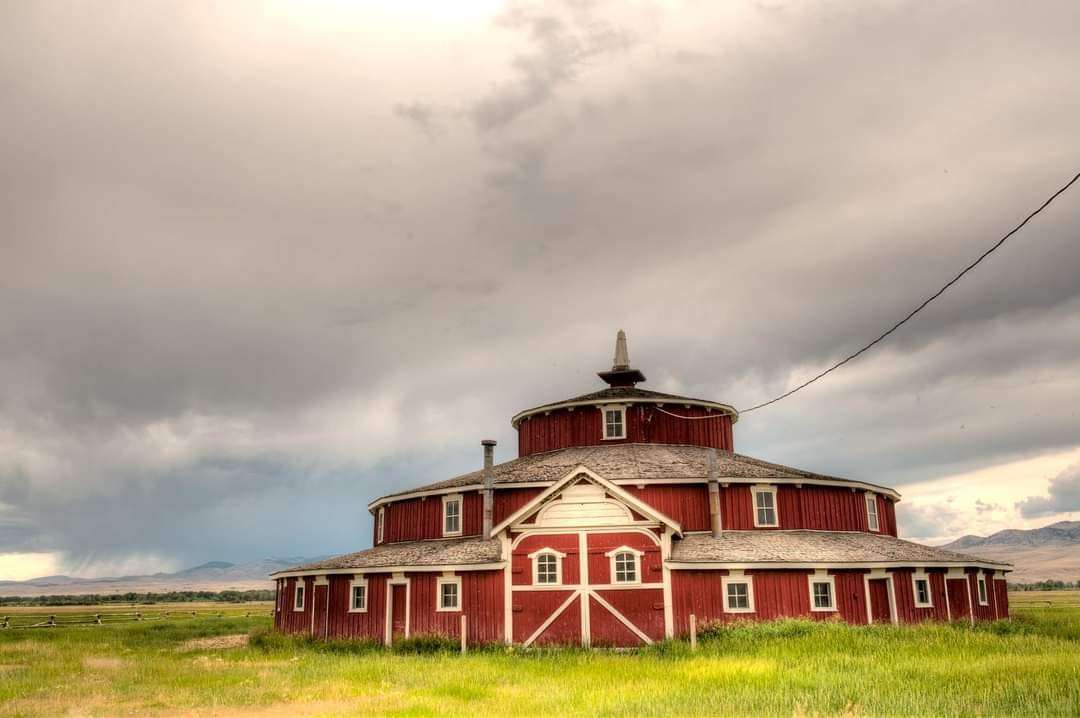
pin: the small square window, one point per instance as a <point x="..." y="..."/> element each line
<point x="358" y="596"/>
<point x="615" y="423"/>
<point x="765" y="507"/>
<point x="449" y="594"/>
<point x="738" y="596"/>
<point x="822" y="594"/>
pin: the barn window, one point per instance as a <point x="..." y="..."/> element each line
<point x="452" y="515"/>
<point x="298" y="596"/>
<point x="871" y="512"/>
<point x="738" y="595"/>
<point x="983" y="598"/>
<point x="615" y="422"/>
<point x="822" y="593"/>
<point x="923" y="599"/>
<point x="449" y="592"/>
<point x="765" y="506"/>
<point x="625" y="565"/>
<point x="547" y="566"/>
<point x="358" y="595"/>
<point x="380" y="524"/>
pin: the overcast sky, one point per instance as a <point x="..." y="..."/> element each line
<point x="263" y="262"/>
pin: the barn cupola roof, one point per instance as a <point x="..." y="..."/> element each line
<point x="621" y="374"/>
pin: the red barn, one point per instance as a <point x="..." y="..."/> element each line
<point x="626" y="512"/>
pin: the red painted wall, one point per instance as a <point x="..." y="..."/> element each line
<point x="821" y="508"/>
<point x="521" y="564"/>
<point x="644" y="424"/>
<point x="600" y="565"/>
<point x="686" y="503"/>
<point x="421" y="518"/>
<point x="904" y="588"/>
<point x="481" y="602"/>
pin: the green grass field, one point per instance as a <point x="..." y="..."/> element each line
<point x="1030" y="666"/>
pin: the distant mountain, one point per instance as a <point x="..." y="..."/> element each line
<point x="1050" y="553"/>
<point x="210" y="576"/>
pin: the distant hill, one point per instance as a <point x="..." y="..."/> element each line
<point x="210" y="576"/>
<point x="1050" y="553"/>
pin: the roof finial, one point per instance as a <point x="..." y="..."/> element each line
<point x="621" y="375"/>
<point x="622" y="356"/>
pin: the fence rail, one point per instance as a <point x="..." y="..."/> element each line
<point x="61" y="620"/>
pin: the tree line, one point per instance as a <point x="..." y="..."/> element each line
<point x="97" y="599"/>
<point x="1045" y="586"/>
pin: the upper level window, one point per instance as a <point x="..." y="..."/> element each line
<point x="449" y="592"/>
<point x="738" y="595"/>
<point x="871" y="513"/>
<point x="380" y="525"/>
<point x="614" y="422"/>
<point x="922" y="593"/>
<point x="625" y="565"/>
<point x="822" y="591"/>
<point x="452" y="515"/>
<point x="765" y="506"/>
<point x="298" y="597"/>
<point x="983" y="597"/>
<point x="358" y="596"/>
<point x="547" y="566"/>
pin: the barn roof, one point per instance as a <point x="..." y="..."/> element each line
<point x="624" y="393"/>
<point x="806" y="547"/>
<point x="631" y="462"/>
<point x="411" y="554"/>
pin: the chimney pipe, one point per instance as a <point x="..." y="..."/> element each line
<point x="714" y="494"/>
<point x="489" y="484"/>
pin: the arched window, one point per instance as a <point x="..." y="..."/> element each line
<point x="547" y="567"/>
<point x="625" y="565"/>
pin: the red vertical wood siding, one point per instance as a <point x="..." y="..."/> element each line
<point x="686" y="503"/>
<point x="292" y="621"/>
<point x="370" y="624"/>
<point x="507" y="501"/>
<point x="850" y="596"/>
<point x="530" y="610"/>
<point x="644" y="424"/>
<point x="600" y="565"/>
<point x="1001" y="594"/>
<point x="779" y="594"/>
<point x="642" y="607"/>
<point x="956" y="588"/>
<point x="605" y="630"/>
<point x="422" y="518"/>
<point x="982" y="612"/>
<point x="736" y="507"/>
<point x="699" y="593"/>
<point x="904" y="589"/>
<point x="521" y="564"/>
<point x="481" y="602"/>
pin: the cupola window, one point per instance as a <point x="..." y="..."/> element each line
<point x="871" y="513"/>
<point x="614" y="422"/>
<point x="452" y="515"/>
<point x="765" y="506"/>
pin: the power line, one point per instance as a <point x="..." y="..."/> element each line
<point x="919" y="308"/>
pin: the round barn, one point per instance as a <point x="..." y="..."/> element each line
<point x="627" y="512"/>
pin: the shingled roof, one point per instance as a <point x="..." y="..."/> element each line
<point x="832" y="547"/>
<point x="450" y="552"/>
<point x="621" y="462"/>
<point x="624" y="393"/>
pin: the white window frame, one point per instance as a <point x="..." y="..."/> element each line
<point x="449" y="499"/>
<point x="765" y="489"/>
<point x="358" y="581"/>
<point x="637" y="564"/>
<point x="725" y="581"/>
<point x="875" y="523"/>
<point x="380" y="525"/>
<point x="915" y="578"/>
<point x="983" y="590"/>
<point x="443" y="581"/>
<point x="535" y="558"/>
<point x="604" y="409"/>
<point x="831" y="581"/>
<point x="299" y="595"/>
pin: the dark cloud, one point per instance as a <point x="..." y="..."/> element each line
<point x="242" y="294"/>
<point x="1063" y="496"/>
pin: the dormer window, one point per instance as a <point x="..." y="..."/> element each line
<point x="871" y="513"/>
<point x="452" y="515"/>
<point x="614" y="422"/>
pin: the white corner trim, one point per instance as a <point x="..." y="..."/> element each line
<point x="831" y="581"/>
<point x="443" y="581"/>
<point x="738" y="577"/>
<point x="637" y="563"/>
<point x="756" y="489"/>
<point x="452" y="498"/>
<point x="358" y="581"/>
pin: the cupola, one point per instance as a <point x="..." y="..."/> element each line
<point x="621" y="374"/>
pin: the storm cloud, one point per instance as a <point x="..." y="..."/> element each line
<point x="263" y="262"/>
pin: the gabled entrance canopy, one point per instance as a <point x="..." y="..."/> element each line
<point x="581" y="473"/>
